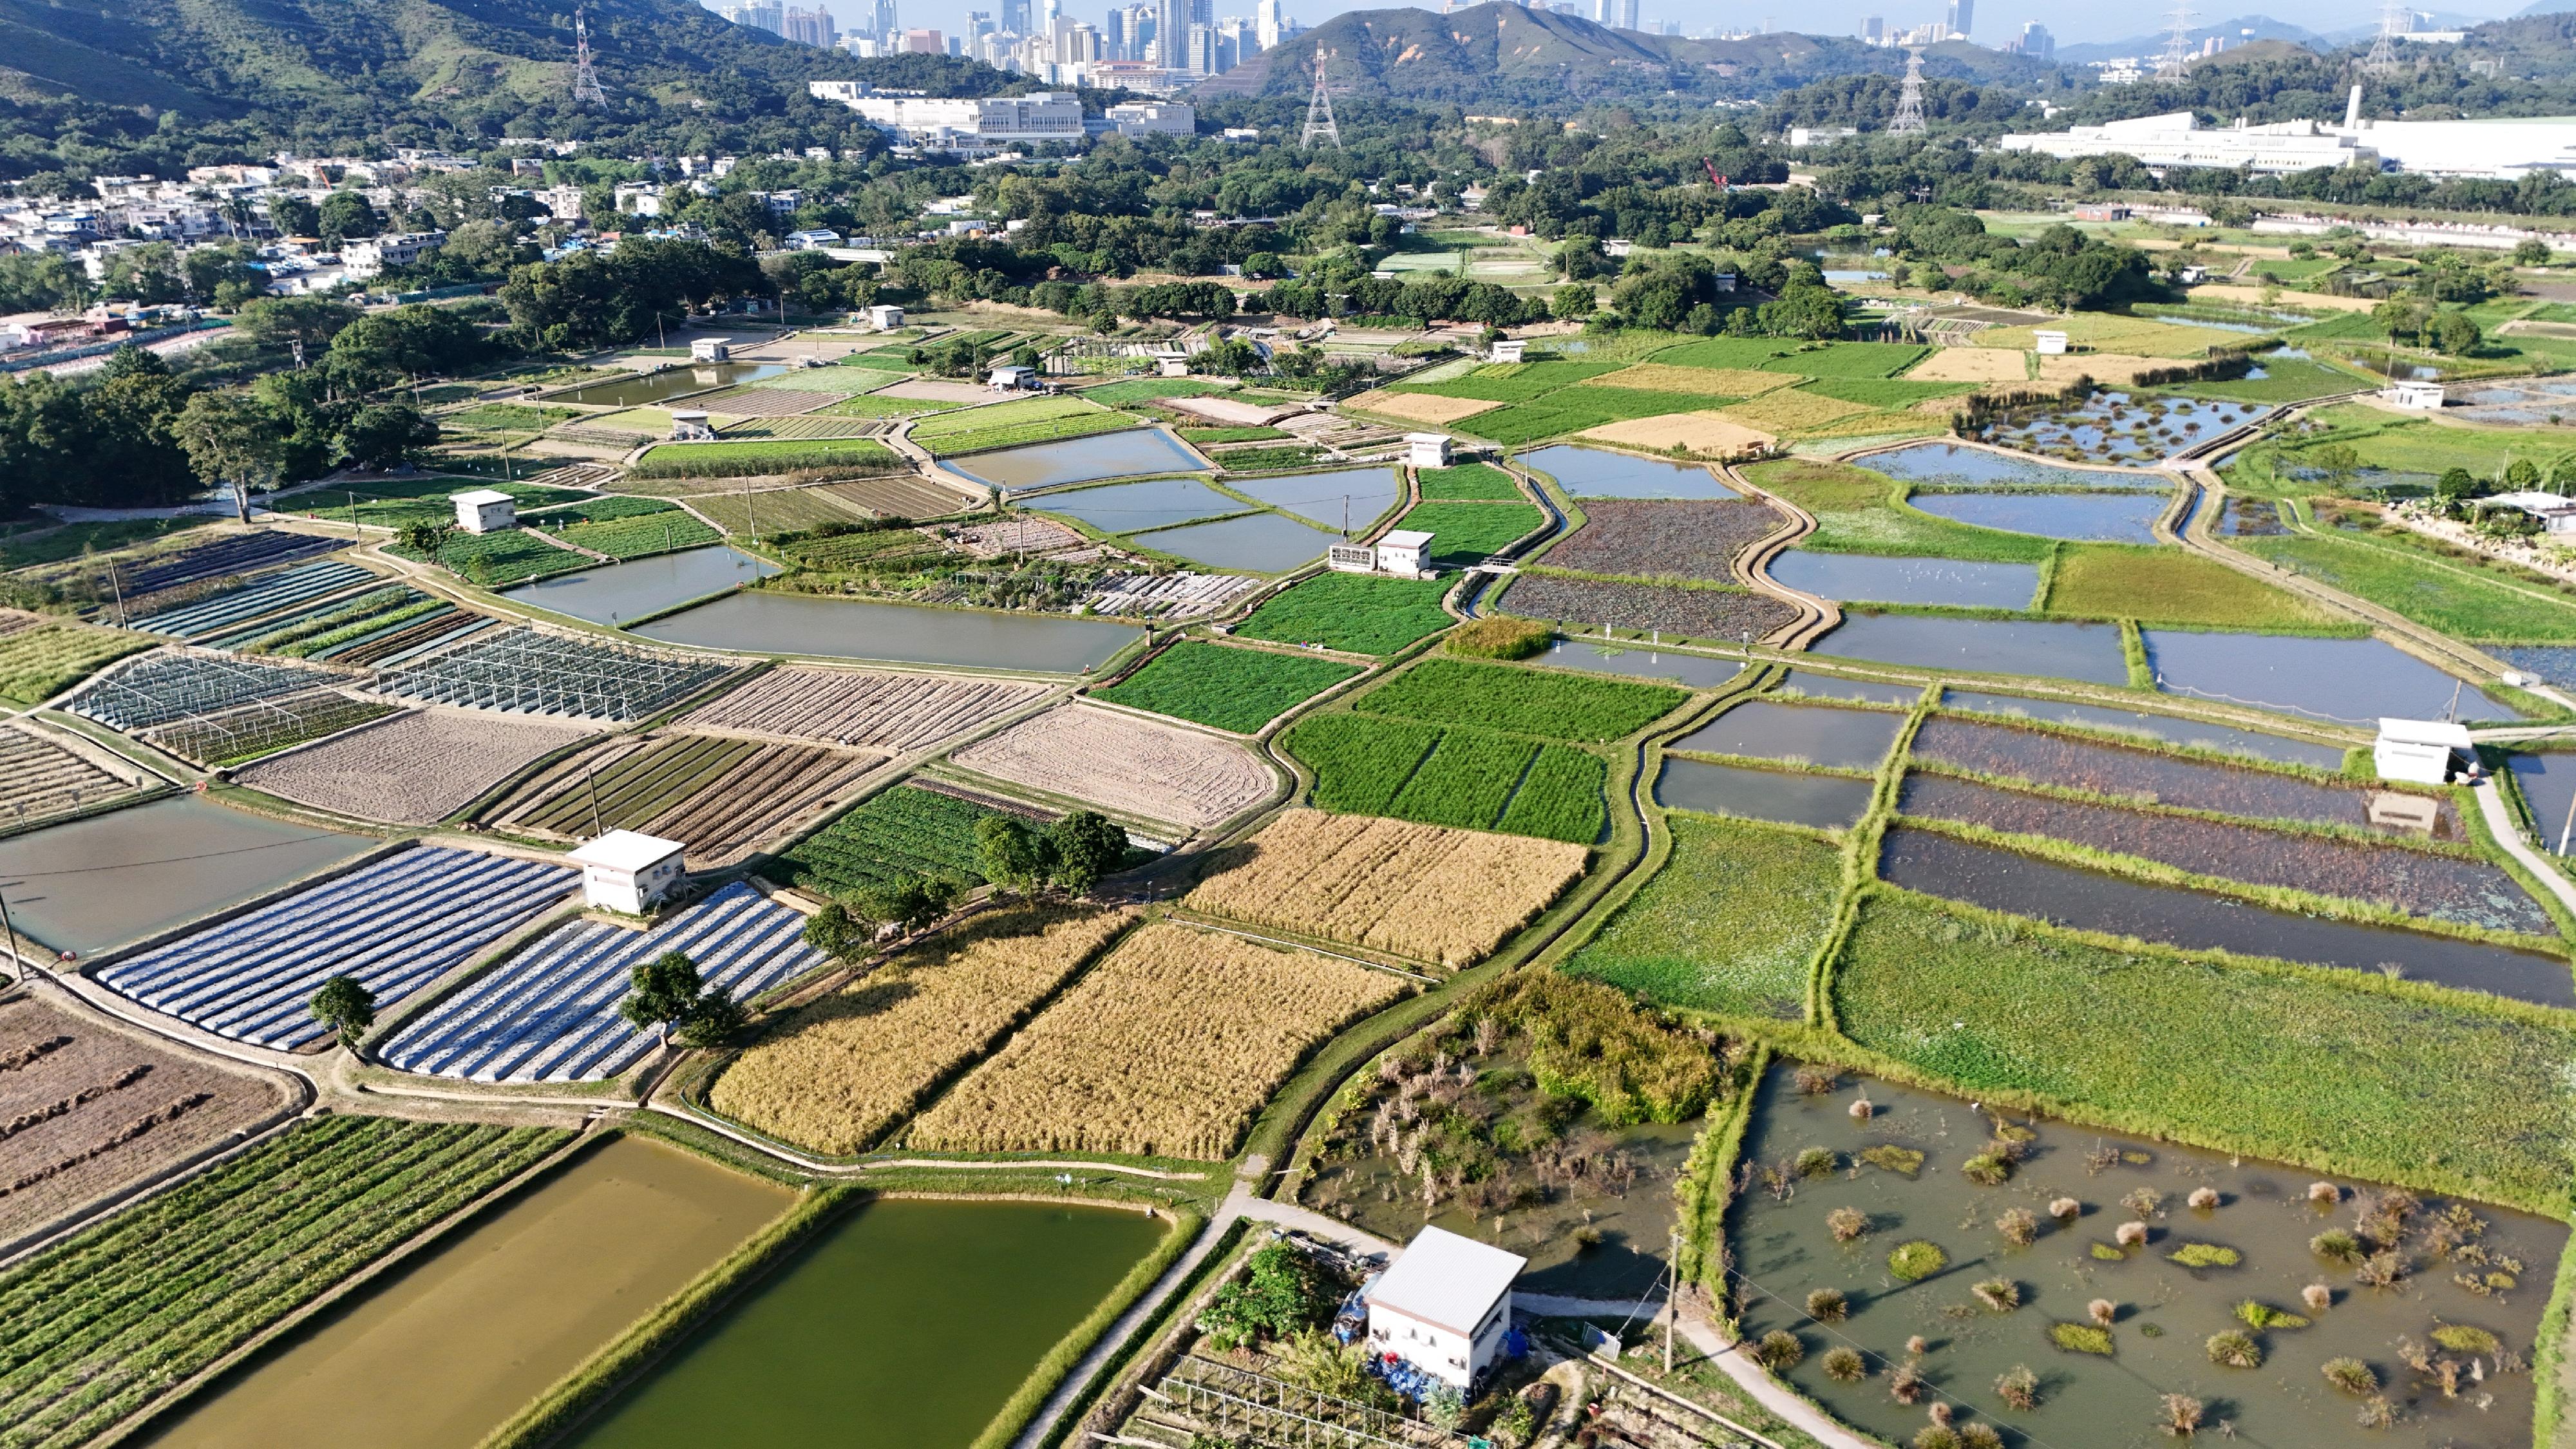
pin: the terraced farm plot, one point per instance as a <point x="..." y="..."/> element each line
<point x="904" y="831"/>
<point x="1009" y="424"/>
<point x="895" y="713"/>
<point x="1355" y="612"/>
<point x="1688" y="613"/>
<point x="531" y="671"/>
<point x="233" y="553"/>
<point x="810" y="425"/>
<point x="1132" y="1059"/>
<point x="91" y="1108"/>
<point x="1730" y="923"/>
<point x="751" y="401"/>
<point x="40" y="662"/>
<point x="550" y="1013"/>
<point x="1744" y="352"/>
<point x="40" y="778"/>
<point x="274" y="593"/>
<point x="391" y="647"/>
<point x="175" y="685"/>
<point x="396" y="925"/>
<point x="1125" y="765"/>
<point x="835" y="1075"/>
<point x="416" y="768"/>
<point x="246" y="732"/>
<point x="1232" y="689"/>
<point x="1499" y="696"/>
<point x="723" y="797"/>
<point x="768" y="512"/>
<point x="1367" y="765"/>
<point x="1663" y="538"/>
<point x="1464" y="534"/>
<point x="325" y="626"/>
<point x="1432" y="894"/>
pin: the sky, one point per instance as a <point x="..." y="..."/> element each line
<point x="1995" y="19"/>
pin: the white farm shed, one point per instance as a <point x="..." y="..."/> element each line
<point x="1510" y="349"/>
<point x="691" y="426"/>
<point x="1428" y="450"/>
<point x="2557" y="514"/>
<point x="628" y="871"/>
<point x="711" y="349"/>
<point x="2420" y="751"/>
<point x="1405" y="551"/>
<point x="2424" y="397"/>
<point x="885" y="317"/>
<point x="1444" y="1306"/>
<point x="485" y="510"/>
<point x="1012" y="378"/>
<point x="2050" y="343"/>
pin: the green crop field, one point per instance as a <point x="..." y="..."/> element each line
<point x="1261" y="460"/>
<point x="369" y="611"/>
<point x="772" y="511"/>
<point x="1578" y="408"/>
<point x="1470" y="481"/>
<point x="1016" y="435"/>
<point x="2284" y="380"/>
<point x="1232" y="435"/>
<point x="1512" y="382"/>
<point x="1450" y="776"/>
<point x="1355" y="612"/>
<point x="1147" y="389"/>
<point x="1729" y="924"/>
<point x="1468" y="533"/>
<point x="2453" y="596"/>
<point x="1524" y="701"/>
<point x="117" y="1316"/>
<point x="871" y="405"/>
<point x="636" y="536"/>
<point x="40" y="662"/>
<point x="1853" y="515"/>
<point x="1232" y="689"/>
<point x="1845" y="359"/>
<point x="2164" y="585"/>
<point x="2410" y="446"/>
<point x="506" y="418"/>
<point x="603" y="509"/>
<point x="2371" y="1081"/>
<point x="1877" y="392"/>
<point x="493" y="560"/>
<point x="781" y="455"/>
<point x="638" y="786"/>
<point x="1746" y="352"/>
<point x="903" y="831"/>
<point x="21" y="547"/>
<point x="399" y="503"/>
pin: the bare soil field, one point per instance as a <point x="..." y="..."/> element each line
<point x="1125" y="764"/>
<point x="896" y="713"/>
<point x="413" y="769"/>
<point x="87" y="1108"/>
<point x="1699" y="432"/>
<point x="2105" y="367"/>
<point x="1421" y="407"/>
<point x="932" y="389"/>
<point x="1664" y="538"/>
<point x="40" y="778"/>
<point x="1423" y="891"/>
<point x="1971" y="364"/>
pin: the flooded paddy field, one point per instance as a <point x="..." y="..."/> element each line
<point x="1848" y="739"/>
<point x="1600" y="473"/>
<point x="2418" y="882"/>
<point x="102" y="882"/>
<point x="1827" y="802"/>
<point x="1958" y="466"/>
<point x="1698" y="671"/>
<point x="2104" y="769"/>
<point x="1127" y="507"/>
<point x="1852" y="576"/>
<point x="2052" y="649"/>
<point x="2347" y="681"/>
<point x="1261" y="543"/>
<point x="763" y="623"/>
<point x="2171" y="729"/>
<point x="2442" y="1388"/>
<point x="2554" y="664"/>
<point x="1078" y="460"/>
<point x="2102" y="517"/>
<point x="612" y="592"/>
<point x="2003" y="880"/>
<point x="1358" y="494"/>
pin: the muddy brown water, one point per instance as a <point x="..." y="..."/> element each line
<point x="1816" y="734"/>
<point x="2165" y="1312"/>
<point x="110" y="879"/>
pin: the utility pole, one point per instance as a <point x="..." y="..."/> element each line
<point x="1672" y="1296"/>
<point x="9" y="940"/>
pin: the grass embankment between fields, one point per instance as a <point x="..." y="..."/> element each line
<point x="1164" y="1319"/>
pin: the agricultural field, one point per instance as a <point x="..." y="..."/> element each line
<point x="416" y="768"/>
<point x="497" y="560"/>
<point x="1854" y="514"/>
<point x="1125" y="765"/>
<point x="531" y="671"/>
<point x="1469" y="482"/>
<point x="42" y="661"/>
<point x="837" y="1074"/>
<point x="424" y="635"/>
<point x="325" y="627"/>
<point x="2163" y="585"/>
<point x="1991" y="1004"/>
<point x="26" y="547"/>
<point x="639" y="535"/>
<point x="1133" y="1060"/>
<point x="1150" y="389"/>
<point x="1231" y="689"/>
<point x="895" y="713"/>
<point x="1010" y="424"/>
<point x="1700" y="612"/>
<point x="172" y="685"/>
<point x="1525" y="701"/>
<point x="394" y="503"/>
<point x="550" y="1012"/>
<point x="246" y="732"/>
<point x="1420" y="891"/>
<point x="227" y="611"/>
<point x="1360" y="613"/>
<point x="1840" y="359"/>
<point x="40" y="778"/>
<point x="1264" y="460"/>
<point x="2009" y="752"/>
<point x="1730" y="923"/>
<point x="763" y="457"/>
<point x="720" y="795"/>
<point x="1657" y="538"/>
<point x="907" y="830"/>
<point x="2395" y="572"/>
<point x="396" y="924"/>
<point x="1467" y="778"/>
<point x="116" y="1317"/>
<point x="766" y="512"/>
<point x="92" y="1107"/>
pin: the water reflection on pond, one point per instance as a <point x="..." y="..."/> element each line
<point x="1849" y="576"/>
<point x="2059" y="650"/>
<point x="1261" y="543"/>
<point x="2171" y="729"/>
<point x="1827" y="802"/>
<point x="1852" y="739"/>
<point x="768" y="623"/>
<point x="1600" y="473"/>
<point x="1079" y="460"/>
<point x="109" y="879"/>
<point x="612" y="592"/>
<point x="2105" y="517"/>
<point x="2348" y="681"/>
<point x="1696" y="670"/>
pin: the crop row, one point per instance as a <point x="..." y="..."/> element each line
<point x="39" y="778"/>
<point x="1233" y="689"/>
<point x="891" y="712"/>
<point x="230" y="554"/>
<point x="227" y="611"/>
<point x="624" y="785"/>
<point x="38" y="663"/>
<point x="323" y="625"/>
<point x="172" y="686"/>
<point x="780" y="455"/>
<point x="1357" y="612"/>
<point x="1688" y="613"/>
<point x="1046" y="430"/>
<point x="634" y="537"/>
<point x="903" y="831"/>
<point x="1121" y="763"/>
<point x="530" y="671"/>
<point x="1663" y="538"/>
<point x="414" y="768"/>
<point x="723" y="796"/>
<point x="1525" y="701"/>
<point x="265" y="727"/>
<point x="1452" y="776"/>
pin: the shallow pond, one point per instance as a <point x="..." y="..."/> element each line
<point x="1696" y="670"/>
<point x="2057" y="650"/>
<point x="442" y="1352"/>
<point x="2003" y="880"/>
<point x="905" y="1324"/>
<point x="624" y="591"/>
<point x="2163" y="1313"/>
<point x="766" y="623"/>
<point x="1828" y="802"/>
<point x="1261" y="543"/>
<point x="97" y="883"/>
<point x="2554" y="664"/>
<point x="668" y="383"/>
<point x="1128" y="507"/>
<point x="1356" y="494"/>
<point x="2106" y="517"/>
<point x="2350" y="681"/>
<point x="1599" y="473"/>
<point x="1959" y="465"/>
<point x="1079" y="460"/>
<point x="1809" y="683"/>
<point x="2125" y="427"/>
<point x="2548" y="782"/>
<point x="1849" y="576"/>
<point x="1848" y="739"/>
<point x="2168" y="728"/>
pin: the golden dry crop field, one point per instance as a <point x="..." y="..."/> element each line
<point x="1425" y="891"/>
<point x="1166" y="1049"/>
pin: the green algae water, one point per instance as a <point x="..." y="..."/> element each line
<point x="906" y="1323"/>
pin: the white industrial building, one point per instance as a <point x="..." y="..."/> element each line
<point x="1404" y="552"/>
<point x="2421" y="751"/>
<point x="929" y="121"/>
<point x="2500" y="148"/>
<point x="711" y="349"/>
<point x="485" y="510"/>
<point x="628" y="871"/>
<point x="1444" y="1306"/>
<point x="1154" y="118"/>
<point x="2557" y="514"/>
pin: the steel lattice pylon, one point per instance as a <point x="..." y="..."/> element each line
<point x="2176" y="62"/>
<point x="1909" y="102"/>
<point x="585" y="76"/>
<point x="1319" y="111"/>
<point x="2393" y="22"/>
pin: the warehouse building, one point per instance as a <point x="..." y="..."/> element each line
<point x="2502" y="148"/>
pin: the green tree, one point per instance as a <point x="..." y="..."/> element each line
<point x="1280" y="1292"/>
<point x="2456" y="333"/>
<point x="832" y="932"/>
<point x="2531" y="251"/>
<point x="2522" y="475"/>
<point x="231" y="439"/>
<point x="426" y="539"/>
<point x="910" y="901"/>
<point x="662" y="994"/>
<point x="294" y="216"/>
<point x="1574" y="301"/>
<point x="1087" y="845"/>
<point x="345" y="1005"/>
<point x="345" y="214"/>
<point x="714" y="1019"/>
<point x="382" y="435"/>
<point x="1010" y="855"/>
<point x="2455" y="485"/>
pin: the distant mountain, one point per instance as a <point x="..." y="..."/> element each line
<point x="2234" y="32"/>
<point x="2546" y="7"/>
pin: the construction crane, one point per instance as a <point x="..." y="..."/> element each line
<point x="1716" y="178"/>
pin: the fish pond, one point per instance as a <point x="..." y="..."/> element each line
<point x="2049" y="648"/>
<point x="2446" y="1362"/>
<point x="107" y="880"/>
<point x="1356" y="494"/>
<point x="2021" y="885"/>
<point x="1600" y="473"/>
<point x="1079" y="460"/>
<point x="1827" y="802"/>
<point x="1128" y="507"/>
<point x="664" y="384"/>
<point x="1845" y="576"/>
<point x="1958" y="465"/>
<point x="904" y="1324"/>
<point x="2122" y="427"/>
<point x="2169" y="729"/>
<point x="1809" y="683"/>
<point x="646" y="586"/>
<point x="1695" y="670"/>
<point x="443" y="1351"/>
<point x="2102" y="517"/>
<point x="1844" y="739"/>
<point x="768" y="623"/>
<point x="2347" y="681"/>
<point x="1261" y="543"/>
<point x="2548" y="783"/>
<point x="2554" y="664"/>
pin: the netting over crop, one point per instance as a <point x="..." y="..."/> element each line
<point x="170" y="685"/>
<point x="528" y="671"/>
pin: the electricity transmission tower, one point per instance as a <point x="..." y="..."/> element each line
<point x="585" y="76"/>
<point x="2177" y="57"/>
<point x="1319" y="111"/>
<point x="2393" y="22"/>
<point x="1909" y="102"/>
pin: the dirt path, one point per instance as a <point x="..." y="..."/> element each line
<point x="2500" y="824"/>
